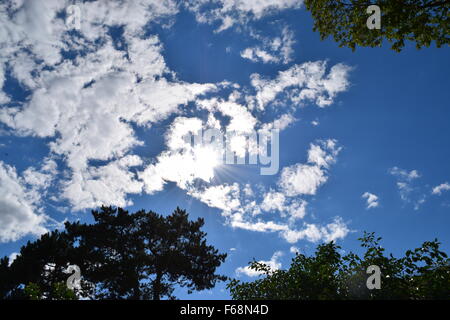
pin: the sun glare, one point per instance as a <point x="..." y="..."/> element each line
<point x="207" y="158"/>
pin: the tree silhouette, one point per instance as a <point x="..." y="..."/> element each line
<point x="38" y="270"/>
<point x="121" y="256"/>
<point x="420" y="21"/>
<point x="423" y="273"/>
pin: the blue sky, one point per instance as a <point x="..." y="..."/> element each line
<point x="92" y="115"/>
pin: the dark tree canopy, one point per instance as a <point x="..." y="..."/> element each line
<point x="419" y="21"/>
<point x="423" y="273"/>
<point x="38" y="271"/>
<point x="121" y="256"/>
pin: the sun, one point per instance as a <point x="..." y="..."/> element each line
<point x="206" y="160"/>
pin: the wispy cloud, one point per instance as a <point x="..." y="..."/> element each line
<point x="274" y="264"/>
<point x="408" y="191"/>
<point x="372" y="200"/>
<point x="441" y="188"/>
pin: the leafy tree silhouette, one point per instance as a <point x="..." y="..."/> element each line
<point x="423" y="273"/>
<point x="121" y="256"/>
<point x="421" y="21"/>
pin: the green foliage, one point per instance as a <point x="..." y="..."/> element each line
<point x="59" y="291"/>
<point x="33" y="291"/>
<point x="419" y="21"/>
<point x="422" y="274"/>
<point x="39" y="266"/>
<point x="121" y="256"/>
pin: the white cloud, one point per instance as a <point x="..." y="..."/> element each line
<point x="33" y="25"/>
<point x="274" y="264"/>
<point x="231" y="12"/>
<point x="181" y="129"/>
<point x="273" y="201"/>
<point x="237" y="207"/>
<point x="256" y="54"/>
<point x="224" y="197"/>
<point x="248" y="191"/>
<point x="302" y="179"/>
<point x="277" y="50"/>
<point x="277" y="201"/>
<point x="257" y="226"/>
<point x="182" y="162"/>
<point x="241" y="120"/>
<point x="40" y="180"/>
<point x="285" y="45"/>
<point x="300" y="83"/>
<point x="13" y="257"/>
<point x="310" y="232"/>
<point x="404" y="174"/>
<point x="281" y="123"/>
<point x="134" y="15"/>
<point x="296" y="209"/>
<point x="106" y="107"/>
<point x="313" y="233"/>
<point x="38" y="27"/>
<point x="294" y="250"/>
<point x="3" y="96"/>
<point x="409" y="192"/>
<point x="323" y="154"/>
<point x="440" y="188"/>
<point x="19" y="215"/>
<point x="241" y="211"/>
<point x="261" y="8"/>
<point x="104" y="185"/>
<point x="307" y="178"/>
<point x="372" y="200"/>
